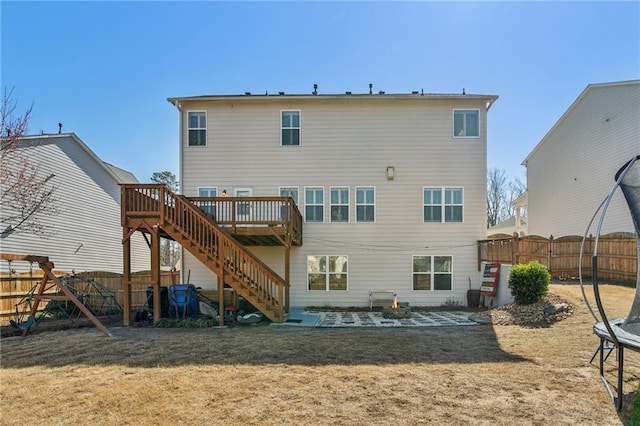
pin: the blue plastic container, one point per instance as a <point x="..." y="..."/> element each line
<point x="183" y="300"/>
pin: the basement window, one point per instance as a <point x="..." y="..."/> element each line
<point x="432" y="273"/>
<point x="327" y="273"/>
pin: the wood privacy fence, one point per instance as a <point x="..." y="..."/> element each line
<point x="617" y="254"/>
<point x="14" y="287"/>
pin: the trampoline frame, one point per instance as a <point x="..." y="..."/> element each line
<point x="609" y="331"/>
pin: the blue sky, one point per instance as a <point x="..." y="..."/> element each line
<point x="105" y="69"/>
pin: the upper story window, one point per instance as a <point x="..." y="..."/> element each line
<point x="208" y="207"/>
<point x="466" y="123"/>
<point x="290" y="124"/>
<point x="208" y="192"/>
<point x="365" y="204"/>
<point x="340" y="204"/>
<point x="197" y="121"/>
<point x="432" y="272"/>
<point x="290" y="191"/>
<point x="435" y="210"/>
<point x="314" y="204"/>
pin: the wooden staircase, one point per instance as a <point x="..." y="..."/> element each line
<point x="147" y="207"/>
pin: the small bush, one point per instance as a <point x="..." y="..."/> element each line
<point x="529" y="282"/>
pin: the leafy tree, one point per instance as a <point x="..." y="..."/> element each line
<point x="169" y="250"/>
<point x="166" y="178"/>
<point x="27" y="195"/>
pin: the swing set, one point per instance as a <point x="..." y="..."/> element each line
<point x="51" y="290"/>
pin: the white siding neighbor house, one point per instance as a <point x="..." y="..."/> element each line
<point x="391" y="187"/>
<point x="572" y="169"/>
<point x="86" y="232"/>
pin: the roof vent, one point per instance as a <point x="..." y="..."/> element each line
<point x="381" y="92"/>
<point x="315" y="89"/>
<point x="371" y="88"/>
<point x="347" y="93"/>
<point x="280" y="93"/>
<point x="247" y="93"/>
<point x="415" y="92"/>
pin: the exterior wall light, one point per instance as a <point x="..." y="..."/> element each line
<point x="391" y="172"/>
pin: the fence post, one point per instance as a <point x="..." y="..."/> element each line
<point x="549" y="254"/>
<point x="514" y="249"/>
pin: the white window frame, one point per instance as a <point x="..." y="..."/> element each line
<point x="296" y="198"/>
<point x="432" y="273"/>
<point x="209" y="189"/>
<point x="306" y="203"/>
<point x="443" y="205"/>
<point x="331" y="205"/>
<point x="328" y="272"/>
<point x="299" y="127"/>
<point x="284" y="210"/>
<point x="209" y="210"/>
<point x="375" y="216"/>
<point x="189" y="128"/>
<point x="465" y="112"/>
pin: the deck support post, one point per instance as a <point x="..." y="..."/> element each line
<point x="221" y="297"/>
<point x="287" y="272"/>
<point x="126" y="276"/>
<point x="155" y="272"/>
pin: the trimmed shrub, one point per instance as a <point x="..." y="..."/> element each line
<point x="529" y="282"/>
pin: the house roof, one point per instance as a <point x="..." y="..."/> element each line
<point x="522" y="200"/>
<point x="118" y="174"/>
<point x="490" y="99"/>
<point x="124" y="175"/>
<point x="568" y="112"/>
<point x="509" y="224"/>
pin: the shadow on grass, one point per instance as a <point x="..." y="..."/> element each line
<point x="259" y="344"/>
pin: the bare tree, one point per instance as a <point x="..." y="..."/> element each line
<point x="501" y="192"/>
<point x="496" y="195"/>
<point x="26" y="195"/>
<point x="169" y="250"/>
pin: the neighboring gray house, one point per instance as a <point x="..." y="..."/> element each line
<point x="86" y="235"/>
<point x="572" y="169"/>
<point x="391" y="187"/>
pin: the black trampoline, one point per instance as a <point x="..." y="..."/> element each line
<point x="620" y="333"/>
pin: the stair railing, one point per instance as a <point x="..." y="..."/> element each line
<point x="251" y="277"/>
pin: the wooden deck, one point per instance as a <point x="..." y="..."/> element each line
<point x="215" y="231"/>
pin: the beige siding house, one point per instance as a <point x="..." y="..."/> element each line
<point x="391" y="187"/>
<point x="572" y="169"/>
<point x="86" y="234"/>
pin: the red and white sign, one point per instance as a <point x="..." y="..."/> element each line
<point x="490" y="278"/>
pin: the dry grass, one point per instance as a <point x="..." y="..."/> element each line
<point x="273" y="375"/>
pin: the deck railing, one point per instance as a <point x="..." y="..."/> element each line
<point x="253" y="211"/>
<point x="247" y="274"/>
